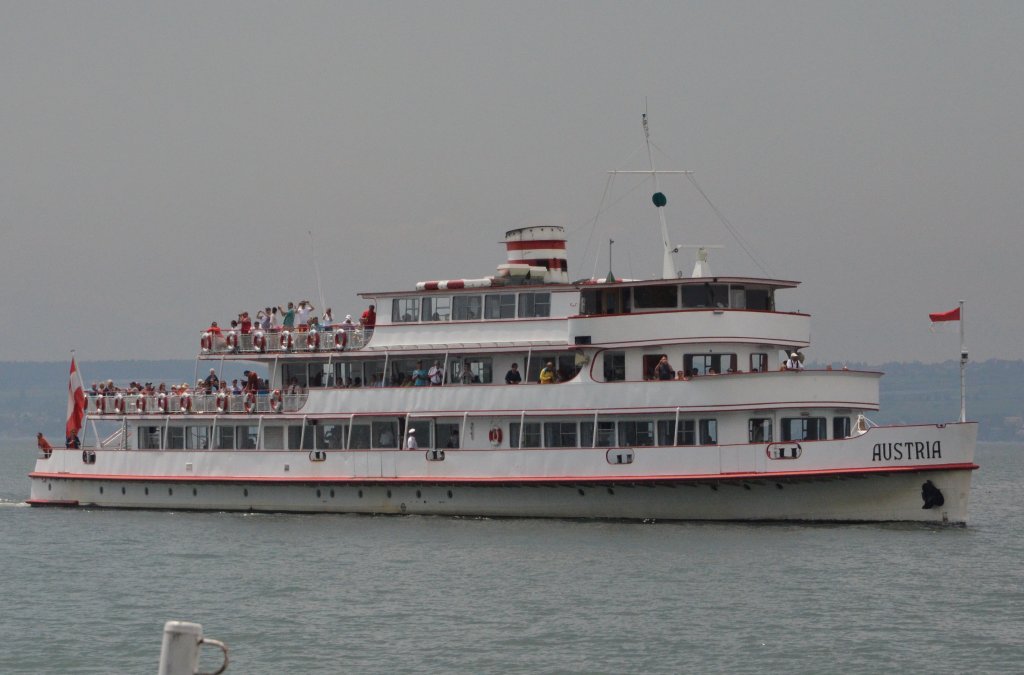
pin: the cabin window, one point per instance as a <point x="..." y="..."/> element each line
<point x="614" y="366"/>
<point x="759" y="429"/>
<point x="760" y="299"/>
<point x="225" y="438"/>
<point x="197" y="438"/>
<point x="565" y="366"/>
<point x="656" y="297"/>
<point x="405" y="310"/>
<point x="447" y="435"/>
<point x="500" y="306"/>
<point x="636" y="433"/>
<point x="436" y="309"/>
<point x="840" y="427"/>
<point x="297" y="440"/>
<point x="472" y="370"/>
<point x="709" y="432"/>
<point x="176" y="438"/>
<point x="246" y="437"/>
<point x="759" y="363"/>
<point x="803" y="428"/>
<point x="466" y="307"/>
<point x="385" y="434"/>
<point x="273" y="437"/>
<point x="359" y="438"/>
<point x="709" y="364"/>
<point x="531" y="435"/>
<point x="149" y="437"/>
<point x="560" y="434"/>
<point x="534" y="305"/>
<point x="295" y="373"/>
<point x="331" y="436"/>
<point x="321" y="375"/>
<point x="686" y="433"/>
<point x="605" y="434"/>
<point x="649" y="363"/>
<point x="345" y="373"/>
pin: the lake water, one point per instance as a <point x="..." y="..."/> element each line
<point x="88" y="591"/>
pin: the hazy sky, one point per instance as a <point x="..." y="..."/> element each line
<point x="162" y="163"/>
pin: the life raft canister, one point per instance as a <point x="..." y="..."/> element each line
<point x="312" y="340"/>
<point x="340" y="340"/>
<point x="276" y="401"/>
<point x="119" y="404"/>
<point x="206" y="343"/>
<point x="286" y="341"/>
<point x="250" y="402"/>
<point x="494" y="436"/>
<point x="259" y="341"/>
<point x="232" y="341"/>
<point x="185" y="403"/>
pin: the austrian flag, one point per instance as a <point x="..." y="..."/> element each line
<point x="951" y="315"/>
<point x="76" y="403"/>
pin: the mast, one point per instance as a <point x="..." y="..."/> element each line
<point x="668" y="268"/>
<point x="963" y="367"/>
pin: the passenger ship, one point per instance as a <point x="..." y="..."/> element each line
<point x="732" y="437"/>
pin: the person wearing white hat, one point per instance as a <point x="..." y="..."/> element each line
<point x="410" y="442"/>
<point x="347" y="324"/>
<point x="794" y="362"/>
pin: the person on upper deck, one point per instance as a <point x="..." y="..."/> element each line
<point x="513" y="376"/>
<point x="664" y="371"/>
<point x="436" y="374"/>
<point x="43" y="444"/>
<point x="369" y="318"/>
<point x="327" y="320"/>
<point x="547" y="373"/>
<point x="347" y="324"/>
<point x="244" y="323"/>
<point x="214" y="329"/>
<point x="793" y="363"/>
<point x="302" y="314"/>
<point x="419" y="376"/>
<point x="212" y="380"/>
<point x="288" y="316"/>
<point x="410" y="441"/>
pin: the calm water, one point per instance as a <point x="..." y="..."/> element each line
<point x="89" y="591"/>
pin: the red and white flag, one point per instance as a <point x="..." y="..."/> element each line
<point x="951" y="315"/>
<point x="76" y="402"/>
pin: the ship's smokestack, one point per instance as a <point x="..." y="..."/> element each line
<point x="536" y="249"/>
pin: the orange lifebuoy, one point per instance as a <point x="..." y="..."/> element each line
<point x="286" y="341"/>
<point x="223" y="402"/>
<point x="494" y="436"/>
<point x="259" y="341"/>
<point x="161" y="403"/>
<point x="119" y="404"/>
<point x="206" y="342"/>
<point x="250" y="402"/>
<point x="276" y="401"/>
<point x="140" y="404"/>
<point x="340" y="340"/>
<point x="101" y="404"/>
<point x="232" y="341"/>
<point x="185" y="403"/>
<point x="312" y="340"/>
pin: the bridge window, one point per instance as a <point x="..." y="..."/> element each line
<point x="405" y="310"/>
<point x="534" y="305"/>
<point x="759" y="429"/>
<point x="803" y="428"/>
<point x="466" y="307"/>
<point x="840" y="427"/>
<point x="500" y="306"/>
<point x="437" y="309"/>
<point x="656" y="297"/>
<point x="760" y="299"/>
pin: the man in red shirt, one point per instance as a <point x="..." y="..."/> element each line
<point x="369" y="318"/>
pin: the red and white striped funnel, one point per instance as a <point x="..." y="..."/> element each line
<point x="537" y="249"/>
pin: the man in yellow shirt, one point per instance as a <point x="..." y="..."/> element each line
<point x="547" y="373"/>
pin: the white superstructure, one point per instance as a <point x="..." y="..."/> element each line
<point x="723" y="434"/>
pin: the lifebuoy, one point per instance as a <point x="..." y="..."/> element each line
<point x="101" y="404"/>
<point x="206" y="343"/>
<point x="119" y="404"/>
<point x="185" y="403"/>
<point x="494" y="436"/>
<point x="250" y="402"/>
<point x="312" y="340"/>
<point x="232" y="341"/>
<point x="161" y="403"/>
<point x="259" y="341"/>
<point x="276" y="401"/>
<point x="286" y="341"/>
<point x="340" y="339"/>
<point x="223" y="402"/>
<point x="140" y="404"/>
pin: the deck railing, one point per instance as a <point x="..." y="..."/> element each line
<point x="283" y="342"/>
<point x="273" y="401"/>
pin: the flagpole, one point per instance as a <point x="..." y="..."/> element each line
<point x="86" y="415"/>
<point x="963" y="367"/>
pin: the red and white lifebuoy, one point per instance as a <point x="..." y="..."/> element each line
<point x="161" y="403"/>
<point x="250" y="403"/>
<point x="232" y="341"/>
<point x="312" y="341"/>
<point x="206" y="343"/>
<point x="100" y="403"/>
<point x="276" y="401"/>
<point x="140" y="404"/>
<point x="494" y="436"/>
<point x="340" y="339"/>
<point x="223" y="402"/>
<point x="259" y="341"/>
<point x="119" y="404"/>
<point x="185" y="403"/>
<point x="286" y="341"/>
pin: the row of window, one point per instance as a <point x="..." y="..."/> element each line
<point x="692" y="365"/>
<point x="613" y="300"/>
<point x="467" y="307"/>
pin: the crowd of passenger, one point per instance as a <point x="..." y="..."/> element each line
<point x="301" y="317"/>
<point x="212" y="384"/>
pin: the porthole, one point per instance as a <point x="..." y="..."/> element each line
<point x="122" y="490"/>
<point x="449" y="494"/>
<point x="195" y="492"/>
<point x="580" y="490"/>
<point x="360" y="494"/>
<point x="170" y="492"/>
<point x="389" y="494"/>
<point x="418" y="494"/>
<point x="101" y="489"/>
<point x="611" y="491"/>
<point x="332" y="494"/>
<point x="147" y="492"/>
<point x="318" y="494"/>
<point x="49" y="486"/>
<point x="245" y="492"/>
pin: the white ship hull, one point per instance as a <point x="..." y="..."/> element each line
<point x="877" y="476"/>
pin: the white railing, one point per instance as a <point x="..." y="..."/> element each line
<point x="273" y="401"/>
<point x="283" y="342"/>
